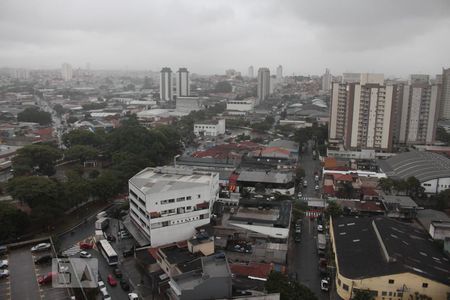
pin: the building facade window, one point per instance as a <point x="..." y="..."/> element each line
<point x="424" y="285"/>
<point x="345" y="287"/>
<point x="391" y="281"/>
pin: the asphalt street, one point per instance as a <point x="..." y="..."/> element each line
<point x="302" y="257"/>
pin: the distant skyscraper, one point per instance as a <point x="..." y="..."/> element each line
<point x="22" y="74"/>
<point x="183" y="87"/>
<point x="326" y="80"/>
<point x="280" y="72"/>
<point x="263" y="84"/>
<point x="66" y="71"/>
<point x="445" y="95"/>
<point x="251" y="72"/>
<point x="165" y="84"/>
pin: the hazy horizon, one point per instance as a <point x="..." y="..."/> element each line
<point x="395" y="38"/>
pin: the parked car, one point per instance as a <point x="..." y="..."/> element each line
<point x="110" y="238"/>
<point x="86" y="246"/>
<point x="317" y="187"/>
<point x="3" y="264"/>
<point x="102" y="288"/>
<point x="45" y="279"/>
<point x="118" y="273"/>
<point x="43" y="259"/>
<point x="111" y="280"/>
<point x="297" y="238"/>
<point x="41" y="247"/>
<point x="325" y="284"/>
<point x="128" y="252"/>
<point x="124" y="285"/>
<point x="3" y="250"/>
<point x="133" y="296"/>
<point x="4" y="273"/>
<point x="84" y="254"/>
<point x="124" y="234"/>
<point x="320" y="228"/>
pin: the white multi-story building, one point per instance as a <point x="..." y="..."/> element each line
<point x="183" y="86"/>
<point x="165" y="84"/>
<point x="251" y="72"/>
<point x="210" y="128"/>
<point x="326" y="80"/>
<point x="66" y="72"/>
<point x="444" y="111"/>
<point x="279" y="73"/>
<point x="416" y="111"/>
<point x="167" y="203"/>
<point x="360" y="116"/>
<point x="241" y="105"/>
<point x="263" y="84"/>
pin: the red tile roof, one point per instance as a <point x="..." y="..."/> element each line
<point x="368" y="191"/>
<point x="269" y="150"/>
<point x="343" y="177"/>
<point x="328" y="190"/>
<point x="260" y="270"/>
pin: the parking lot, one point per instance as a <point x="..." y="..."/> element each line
<point x="24" y="274"/>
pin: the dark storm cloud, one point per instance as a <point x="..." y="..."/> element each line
<point x="395" y="37"/>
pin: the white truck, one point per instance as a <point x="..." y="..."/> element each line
<point x="99" y="235"/>
<point x="321" y="243"/>
<point x="101" y="224"/>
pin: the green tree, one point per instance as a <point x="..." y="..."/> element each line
<point x="414" y="188"/>
<point x="13" y="222"/>
<point x="443" y="200"/>
<point x="362" y="295"/>
<point x="43" y="195"/>
<point x="76" y="189"/>
<point x="34" y="114"/>
<point x="106" y="185"/>
<point x="59" y="109"/>
<point x="36" y="159"/>
<point x="82" y="137"/>
<point x="223" y="87"/>
<point x="289" y="290"/>
<point x="386" y="185"/>
<point x="333" y="209"/>
<point x="81" y="152"/>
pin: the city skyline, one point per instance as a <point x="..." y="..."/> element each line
<point x="43" y="35"/>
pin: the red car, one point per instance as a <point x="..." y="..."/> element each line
<point x="46" y="278"/>
<point x="111" y="280"/>
<point x="86" y="246"/>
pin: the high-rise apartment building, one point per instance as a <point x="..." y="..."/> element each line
<point x="415" y="111"/>
<point x="183" y="85"/>
<point x="167" y="204"/>
<point x="66" y="72"/>
<point x="326" y="80"/>
<point x="251" y="72"/>
<point x="279" y="73"/>
<point x="444" y="110"/>
<point x="263" y="84"/>
<point x="165" y="84"/>
<point x="360" y="116"/>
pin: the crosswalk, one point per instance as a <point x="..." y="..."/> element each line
<point x="72" y="250"/>
<point x="312" y="213"/>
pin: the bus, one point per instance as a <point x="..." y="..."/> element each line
<point x="108" y="252"/>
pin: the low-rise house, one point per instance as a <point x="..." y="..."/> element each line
<point x="210" y="128"/>
<point x="212" y="280"/>
<point x="387" y="258"/>
<point x="400" y="207"/>
<point x="439" y="230"/>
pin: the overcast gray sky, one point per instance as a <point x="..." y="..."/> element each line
<point x="208" y="36"/>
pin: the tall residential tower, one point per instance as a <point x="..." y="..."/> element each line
<point x="251" y="72"/>
<point x="263" y="84"/>
<point x="66" y="72"/>
<point x="165" y="84"/>
<point x="444" y="111"/>
<point x="183" y="86"/>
